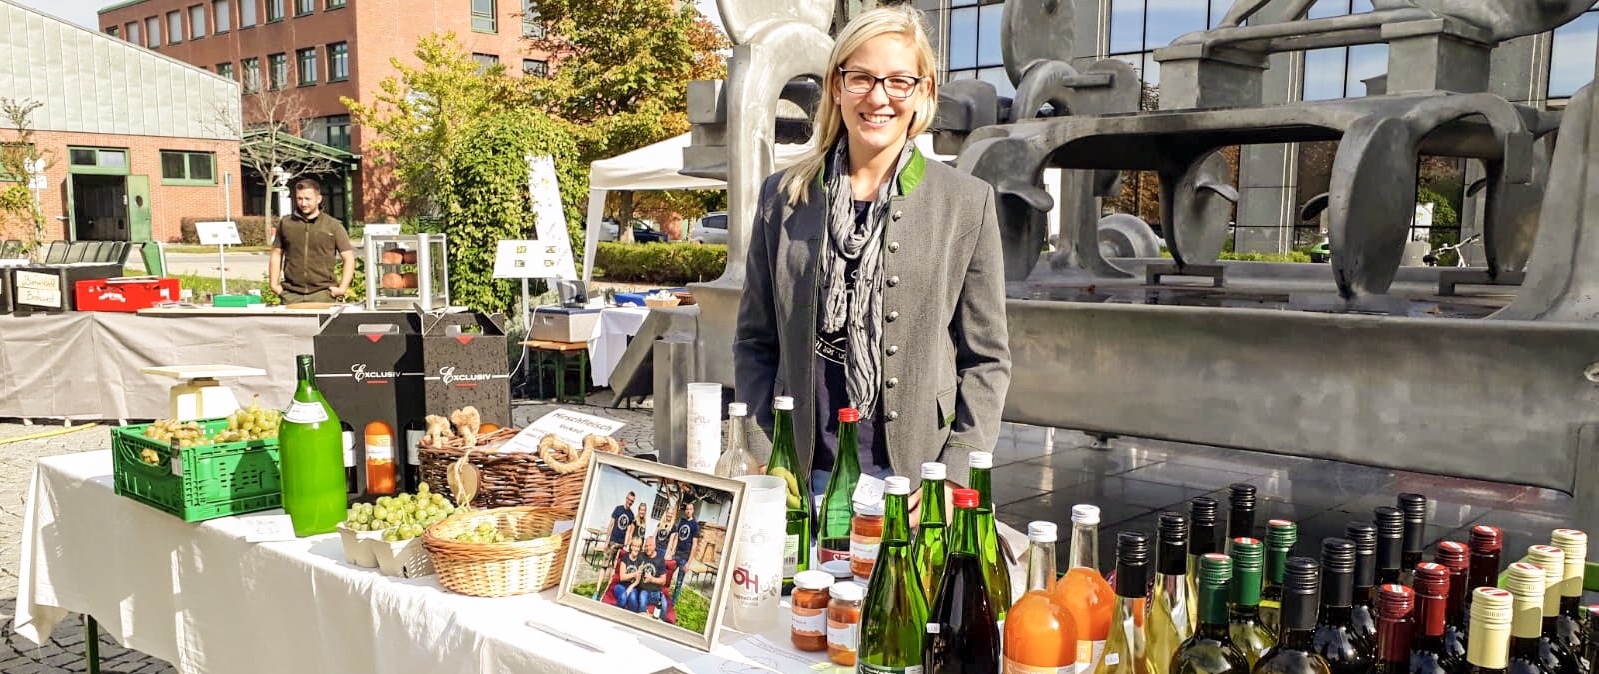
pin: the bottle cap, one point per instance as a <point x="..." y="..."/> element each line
<point x="1246" y="553"/>
<point x="1492" y="607"/>
<point x="1132" y="564"/>
<point x="869" y="509"/>
<point x="1525" y="580"/>
<point x="897" y="485"/>
<point x="1432" y="580"/>
<point x="849" y="415"/>
<point x="1486" y="539"/>
<point x="783" y="403"/>
<point x="1215" y="569"/>
<point x="738" y="410"/>
<point x="1364" y="534"/>
<point x="1041" y="532"/>
<point x="1085" y="514"/>
<point x="1573" y="541"/>
<point x="848" y="591"/>
<point x="1453" y="554"/>
<point x="1390" y="522"/>
<point x="1413" y="505"/>
<point x="965" y="498"/>
<point x="1394" y="601"/>
<point x="1549" y="558"/>
<point x="1241" y="495"/>
<point x="1173" y="528"/>
<point x="1203" y="510"/>
<point x="1338" y="555"/>
<point x="1281" y="534"/>
<point x="980" y="460"/>
<point x="813" y="580"/>
<point x="1302" y="577"/>
<point x="933" y="470"/>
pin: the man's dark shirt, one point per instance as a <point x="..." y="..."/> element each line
<point x="310" y="250"/>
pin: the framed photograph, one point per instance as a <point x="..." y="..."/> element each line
<point x="649" y="547"/>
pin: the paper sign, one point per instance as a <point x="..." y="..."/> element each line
<point x="548" y="217"/>
<point x="869" y="490"/>
<point x="531" y="259"/>
<point x="267" y="528"/>
<point x="224" y="233"/>
<point x="37" y="180"/>
<point x="562" y="527"/>
<point x="571" y="427"/>
<point x="381" y="229"/>
<point x="36" y="289"/>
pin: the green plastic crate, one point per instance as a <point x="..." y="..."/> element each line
<point x="205" y="482"/>
<point x="235" y="301"/>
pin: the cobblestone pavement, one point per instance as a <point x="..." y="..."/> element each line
<point x="63" y="652"/>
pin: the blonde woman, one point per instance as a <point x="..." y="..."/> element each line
<point x="874" y="276"/>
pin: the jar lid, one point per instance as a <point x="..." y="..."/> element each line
<point x="869" y="509"/>
<point x="848" y="591"/>
<point x="813" y="580"/>
<point x="838" y="569"/>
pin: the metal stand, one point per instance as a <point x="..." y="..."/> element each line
<point x="91" y="643"/>
<point x="1449" y="278"/>
<point x="1153" y="273"/>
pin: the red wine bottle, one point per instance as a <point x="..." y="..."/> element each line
<point x="1427" y="652"/>
<point x="962" y="630"/>
<point x="1395" y="628"/>
<point x="1456" y="557"/>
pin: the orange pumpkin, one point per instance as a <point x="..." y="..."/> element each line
<point x="486" y="429"/>
<point x="393" y="257"/>
<point x="393" y="281"/>
<point x="409" y="278"/>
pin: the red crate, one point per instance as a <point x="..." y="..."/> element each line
<point x="125" y="294"/>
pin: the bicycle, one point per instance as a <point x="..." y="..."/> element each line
<point x="1431" y="258"/>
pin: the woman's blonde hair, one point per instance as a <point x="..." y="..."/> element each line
<point x="902" y="20"/>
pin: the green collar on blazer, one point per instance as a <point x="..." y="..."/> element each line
<point x="909" y="179"/>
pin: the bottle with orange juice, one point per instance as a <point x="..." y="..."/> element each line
<point x="1040" y="635"/>
<point x="380" y="473"/>
<point x="1083" y="591"/>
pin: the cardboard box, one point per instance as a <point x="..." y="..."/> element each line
<point x="125" y="294"/>
<point x="467" y="362"/>
<point x="560" y="324"/>
<point x="53" y="288"/>
<point x="369" y="367"/>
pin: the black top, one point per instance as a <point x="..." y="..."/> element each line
<point x="832" y="392"/>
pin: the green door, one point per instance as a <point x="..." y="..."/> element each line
<point x="138" y="208"/>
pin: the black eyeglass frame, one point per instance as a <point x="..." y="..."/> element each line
<point x="843" y="75"/>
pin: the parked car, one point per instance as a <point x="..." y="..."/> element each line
<point x="644" y="231"/>
<point x="711" y="229"/>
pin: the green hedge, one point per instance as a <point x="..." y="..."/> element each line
<point x="252" y="229"/>
<point x="674" y="263"/>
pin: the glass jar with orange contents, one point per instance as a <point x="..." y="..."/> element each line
<point x="809" y="608"/>
<point x="865" y="537"/>
<point x="844" y="622"/>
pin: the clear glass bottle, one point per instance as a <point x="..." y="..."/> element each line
<point x="1127" y="647"/>
<point x="1211" y="650"/>
<point x="1168" y="608"/>
<point x="737" y="461"/>
<point x="963" y="633"/>
<point x="1084" y="592"/>
<point x="894" y="619"/>
<point x="995" y="570"/>
<point x="833" y="522"/>
<point x="784" y="463"/>
<point x="1427" y="653"/>
<point x="1040" y="634"/>
<point x="931" y="546"/>
<point x="1281" y="535"/>
<point x="1292" y="654"/>
<point x="1251" y="637"/>
<point x="311" y="457"/>
<point x="1335" y="639"/>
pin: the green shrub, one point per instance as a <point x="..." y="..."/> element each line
<point x="252" y="229"/>
<point x="1292" y="256"/>
<point x="674" y="263"/>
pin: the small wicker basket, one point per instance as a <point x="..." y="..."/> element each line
<point x="500" y="569"/>
<point x="506" y="479"/>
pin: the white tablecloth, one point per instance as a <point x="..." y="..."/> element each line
<point x="616" y="325"/>
<point x="200" y="597"/>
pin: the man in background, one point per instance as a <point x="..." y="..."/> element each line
<point x="308" y="245"/>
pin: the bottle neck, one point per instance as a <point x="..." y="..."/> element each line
<point x="1085" y="546"/>
<point x="1297" y="621"/>
<point x="1201" y="539"/>
<point x="1241" y="523"/>
<point x="932" y="503"/>
<point x="1246" y="592"/>
<point x="1487" y="646"/>
<point x="982" y="481"/>
<point x="1276" y="564"/>
<point x="846" y="460"/>
<point x="783" y="437"/>
<point x="1295" y="639"/>
<point x="1394" y="637"/>
<point x="896" y="529"/>
<point x="1337" y="593"/>
<point x="1041" y="566"/>
<point x="1459" y="589"/>
<point x="1430" y="617"/>
<point x="1213" y="606"/>
<point x="1484" y="570"/>
<point x="736" y="437"/>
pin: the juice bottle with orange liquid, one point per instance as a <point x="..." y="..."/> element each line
<point x="1040" y="635"/>
<point x="380" y="471"/>
<point x="1083" y="591"/>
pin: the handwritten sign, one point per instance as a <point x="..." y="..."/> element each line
<point x="571" y="427"/>
<point x="869" y="491"/>
<point x="532" y="259"/>
<point x="221" y="233"/>
<point x="267" y="528"/>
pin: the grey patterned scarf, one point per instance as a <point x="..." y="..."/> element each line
<point x="862" y="317"/>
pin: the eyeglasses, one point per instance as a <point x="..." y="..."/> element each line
<point x="862" y="82"/>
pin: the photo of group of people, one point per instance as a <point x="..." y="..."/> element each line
<point x="652" y="545"/>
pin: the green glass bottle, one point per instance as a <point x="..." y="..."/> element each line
<point x="1251" y="636"/>
<point x="962" y="633"/>
<point x="1292" y="654"/>
<point x="894" y="618"/>
<point x="838" y="508"/>
<point x="995" y="570"/>
<point x="311" y="457"/>
<point x="1280" y="538"/>
<point x="784" y="463"/>
<point x="1168" y="610"/>
<point x="1127" y="645"/>
<point x="1201" y="542"/>
<point x="931" y="542"/>
<point x="1211" y="649"/>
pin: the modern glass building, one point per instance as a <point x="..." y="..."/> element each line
<point x="1275" y="181"/>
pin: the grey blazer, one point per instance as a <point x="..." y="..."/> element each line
<point x="946" y="354"/>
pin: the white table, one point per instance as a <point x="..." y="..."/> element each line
<point x="200" y="597"/>
<point x="616" y="325"/>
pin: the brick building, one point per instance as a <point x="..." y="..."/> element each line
<point x="126" y="157"/>
<point x="318" y="51"/>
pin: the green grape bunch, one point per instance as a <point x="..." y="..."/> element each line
<point x="246" y="425"/>
<point x="401" y="517"/>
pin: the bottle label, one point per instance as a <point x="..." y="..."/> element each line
<point x="843" y="635"/>
<point x="825" y="555"/>
<point x="413" y="440"/>
<point x="868" y="668"/>
<point x="177" y="465"/>
<point x="791" y="553"/>
<point x="1088" y="652"/>
<point x="305" y="413"/>
<point x="1013" y="667"/>
<point x="865" y="553"/>
<point x="349" y="449"/>
<point x="379" y="447"/>
<point x="809" y="622"/>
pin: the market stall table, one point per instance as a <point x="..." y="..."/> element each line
<point x="201" y="597"/>
<point x="618" y="325"/>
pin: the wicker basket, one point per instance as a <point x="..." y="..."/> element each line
<point x="505" y="479"/>
<point x="500" y="569"/>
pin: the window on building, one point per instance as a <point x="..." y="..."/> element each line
<point x="251" y="69"/>
<point x="304" y="7"/>
<point x="114" y="159"/>
<point x="113" y="31"/>
<point x="974" y="43"/>
<point x="152" y="32"/>
<point x="188" y="168"/>
<point x="483" y="19"/>
<point x="338" y="127"/>
<point x="485" y="61"/>
<point x="306" y="59"/>
<point x="277" y="71"/>
<point x="532" y="26"/>
<point x="335" y="4"/>
<point x="196" y="22"/>
<point x="246" y="13"/>
<point x="535" y="68"/>
<point x="174" y="27"/>
<point x="274" y="10"/>
<point x="338" y="62"/>
<point x="226" y="70"/>
<point x="221" y="16"/>
<point x="131" y="32"/>
<point x="1569" y="66"/>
